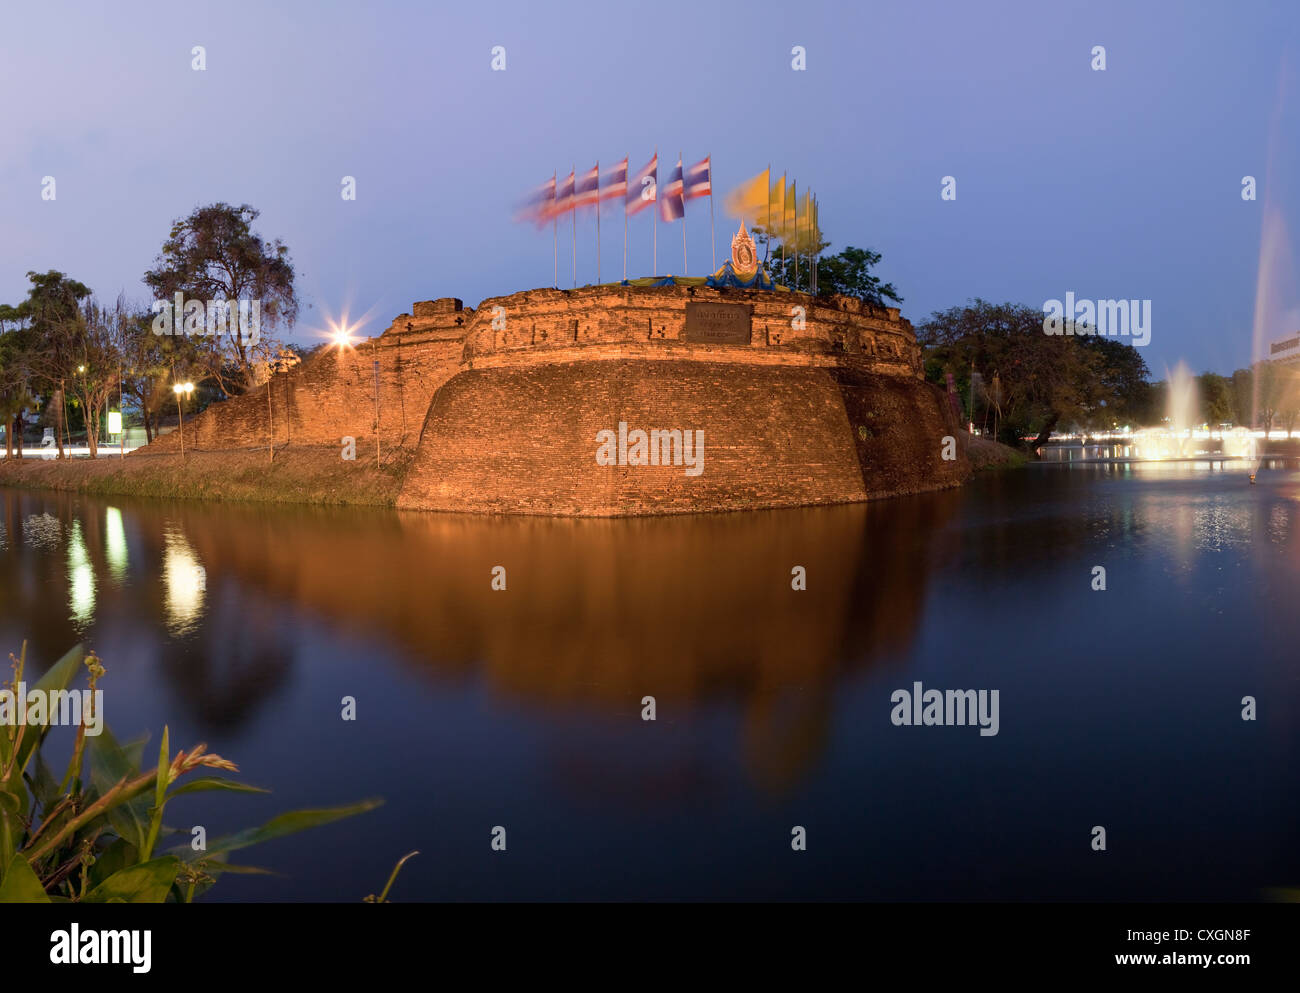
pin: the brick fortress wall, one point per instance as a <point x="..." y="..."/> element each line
<point x="501" y="406"/>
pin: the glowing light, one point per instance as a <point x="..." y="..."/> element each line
<point x="81" y="578"/>
<point x="186" y="388"/>
<point x="341" y="336"/>
<point x="186" y="584"/>
<point x="114" y="422"/>
<point x="115" y="543"/>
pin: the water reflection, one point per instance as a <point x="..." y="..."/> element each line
<point x="184" y="583"/>
<point x="243" y="626"/>
<point x="596" y="614"/>
<point x="81" y="578"/>
<point x="115" y="540"/>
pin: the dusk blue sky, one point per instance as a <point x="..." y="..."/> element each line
<point x="1122" y="183"/>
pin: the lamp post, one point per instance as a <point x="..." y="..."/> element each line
<point x="182" y="390"/>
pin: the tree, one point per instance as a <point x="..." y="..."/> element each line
<point x="1243" y="397"/>
<point x="16" y="398"/>
<point x="1269" y="384"/>
<point x="214" y="255"/>
<point x="849" y="274"/>
<point x="52" y="336"/>
<point x="100" y="369"/>
<point x="1042" y="380"/>
<point x="1215" y="392"/>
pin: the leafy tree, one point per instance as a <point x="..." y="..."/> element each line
<point x="1043" y="381"/>
<point x="213" y="254"/>
<point x="53" y="335"/>
<point x="846" y="274"/>
<point x="1243" y="397"/>
<point x="102" y="362"/>
<point x="1215" y="392"/>
<point x="1123" y="394"/>
<point x="1270" y="388"/>
<point x="16" y="400"/>
<point x="849" y="274"/>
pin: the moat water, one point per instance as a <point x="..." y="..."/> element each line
<point x="245" y="627"/>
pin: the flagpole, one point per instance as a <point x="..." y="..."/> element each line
<point x="598" y="222"/>
<point x="713" y="245"/>
<point x="626" y="177"/>
<point x="555" y="230"/>
<point x="796" y="241"/>
<point x="685" y="268"/>
<point x="573" y="213"/>
<point x="767" y="242"/>
<point x="656" y="210"/>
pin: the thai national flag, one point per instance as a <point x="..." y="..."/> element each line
<point x="615" y="183"/>
<point x="699" y="180"/>
<point x="640" y="192"/>
<point x="536" y="207"/>
<point x="588" y="189"/>
<point x="672" y="206"/>
<point x="563" y="197"/>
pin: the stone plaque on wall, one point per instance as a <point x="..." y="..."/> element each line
<point x="717" y="323"/>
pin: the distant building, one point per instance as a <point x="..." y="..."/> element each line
<point x="1286" y="351"/>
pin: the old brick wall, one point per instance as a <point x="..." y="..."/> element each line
<point x="781" y="323"/>
<point x="332" y="395"/>
<point x="524" y="439"/>
<point x="823" y="404"/>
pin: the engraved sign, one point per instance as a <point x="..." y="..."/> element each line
<point x="718" y="323"/>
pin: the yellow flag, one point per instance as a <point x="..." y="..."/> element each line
<point x="749" y="200"/>
<point x="775" y="219"/>
<point x="790" y="202"/>
<point x="805" y="222"/>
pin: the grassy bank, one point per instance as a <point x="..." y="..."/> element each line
<point x="985" y="455"/>
<point x="298" y="474"/>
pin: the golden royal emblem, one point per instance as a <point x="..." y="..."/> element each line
<point x="744" y="256"/>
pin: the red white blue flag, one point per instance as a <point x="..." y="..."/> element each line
<point x="539" y="204"/>
<point x="563" y="197"/>
<point x="588" y="188"/>
<point x="672" y="205"/>
<point x="644" y="187"/>
<point x="615" y="182"/>
<point x="699" y="180"/>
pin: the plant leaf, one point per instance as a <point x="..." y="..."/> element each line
<point x="289" y="823"/>
<point x="114" y="858"/>
<point x="56" y="678"/>
<point x="148" y="882"/>
<point x="109" y="762"/>
<point x="20" y="884"/>
<point x="214" y="783"/>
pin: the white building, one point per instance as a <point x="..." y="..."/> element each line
<point x="1286" y="351"/>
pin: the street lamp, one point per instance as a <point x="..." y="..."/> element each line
<point x="182" y="390"/>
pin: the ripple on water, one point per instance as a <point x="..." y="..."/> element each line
<point x="42" y="531"/>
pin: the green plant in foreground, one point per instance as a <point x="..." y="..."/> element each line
<point x="93" y="841"/>
<point x="392" y="878"/>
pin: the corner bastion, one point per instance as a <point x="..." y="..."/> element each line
<point x="795" y="401"/>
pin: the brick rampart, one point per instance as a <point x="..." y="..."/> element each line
<point x="502" y="405"/>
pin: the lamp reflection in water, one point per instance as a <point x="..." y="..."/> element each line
<point x="81" y="578"/>
<point x="185" y="584"/>
<point x="115" y="543"/>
